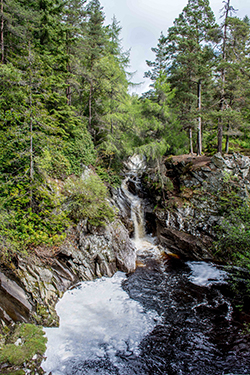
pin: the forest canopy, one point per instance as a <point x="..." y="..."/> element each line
<point x="65" y="104"/>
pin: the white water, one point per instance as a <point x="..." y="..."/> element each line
<point x="100" y="324"/>
<point x="206" y="274"/>
<point x="145" y="244"/>
<point x="137" y="213"/>
<point x="97" y="319"/>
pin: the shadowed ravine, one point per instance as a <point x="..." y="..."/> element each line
<point x="168" y="317"/>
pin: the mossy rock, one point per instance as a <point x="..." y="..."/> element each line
<point x="46" y="316"/>
<point x="20" y="347"/>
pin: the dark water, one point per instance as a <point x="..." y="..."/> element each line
<point x="168" y="317"/>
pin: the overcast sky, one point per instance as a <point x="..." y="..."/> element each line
<point x="142" y="22"/>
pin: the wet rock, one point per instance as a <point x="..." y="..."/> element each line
<point x="120" y="200"/>
<point x="187" y="218"/>
<point x="14" y="302"/>
<point x="183" y="244"/>
<point x="86" y="254"/>
<point x="123" y="247"/>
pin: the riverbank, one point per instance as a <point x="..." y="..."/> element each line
<point x="181" y="202"/>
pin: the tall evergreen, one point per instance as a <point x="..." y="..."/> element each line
<point x="189" y="54"/>
<point x="113" y="93"/>
<point x="95" y="40"/>
<point x="227" y="9"/>
<point x="232" y="75"/>
<point x="74" y="17"/>
<point x="160" y="63"/>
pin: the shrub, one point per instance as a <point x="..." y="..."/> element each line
<point x="87" y="199"/>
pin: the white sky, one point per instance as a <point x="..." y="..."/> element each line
<point x="142" y="22"/>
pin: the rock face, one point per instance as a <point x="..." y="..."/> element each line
<point x="187" y="215"/>
<point x="15" y="304"/>
<point x="187" y="194"/>
<point x="44" y="276"/>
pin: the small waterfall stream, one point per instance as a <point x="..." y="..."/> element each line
<point x="144" y="243"/>
<point x="167" y="318"/>
<point x="137" y="213"/>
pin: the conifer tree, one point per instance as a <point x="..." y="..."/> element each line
<point x="95" y="40"/>
<point x="189" y="55"/>
<point x="232" y="75"/>
<point x="160" y="63"/>
<point x="227" y="9"/>
<point x="113" y="93"/>
<point x="74" y="17"/>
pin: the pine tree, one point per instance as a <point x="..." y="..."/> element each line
<point x="113" y="87"/>
<point x="95" y="40"/>
<point x="233" y="75"/>
<point x="160" y="63"/>
<point x="15" y="18"/>
<point x="74" y="17"/>
<point x="227" y="10"/>
<point x="189" y="55"/>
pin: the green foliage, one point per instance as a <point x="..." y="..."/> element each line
<point x="108" y="176"/>
<point x="88" y="199"/>
<point x="64" y="105"/>
<point x="234" y="235"/>
<point x="233" y="246"/>
<point x="54" y="163"/>
<point x="24" y="225"/>
<point x="32" y="341"/>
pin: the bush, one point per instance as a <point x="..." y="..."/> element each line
<point x="234" y="236"/>
<point x="87" y="199"/>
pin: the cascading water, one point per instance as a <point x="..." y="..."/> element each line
<point x="137" y="213"/>
<point x="144" y="243"/>
<point x="167" y="318"/>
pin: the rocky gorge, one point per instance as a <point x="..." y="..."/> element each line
<point x="182" y="205"/>
<point x="191" y="196"/>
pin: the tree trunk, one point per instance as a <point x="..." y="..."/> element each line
<point x="112" y="111"/>
<point x="90" y="107"/>
<point x="31" y="151"/>
<point x="31" y="131"/>
<point x="220" y="135"/>
<point x="68" y="89"/>
<point x="68" y="94"/>
<point x="199" y="136"/>
<point x="227" y="140"/>
<point x="2" y="37"/>
<point x="191" y="141"/>
<point x="223" y="79"/>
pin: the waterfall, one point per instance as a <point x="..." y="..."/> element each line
<point x="131" y="208"/>
<point x="137" y="213"/>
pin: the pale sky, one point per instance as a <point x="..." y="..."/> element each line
<point x="142" y="22"/>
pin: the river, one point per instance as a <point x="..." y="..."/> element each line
<point x="169" y="317"/>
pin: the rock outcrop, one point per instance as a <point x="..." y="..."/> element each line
<point x="44" y="275"/>
<point x="189" y="212"/>
<point x="184" y="200"/>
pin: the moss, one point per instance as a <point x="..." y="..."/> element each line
<point x="26" y="341"/>
<point x="46" y="317"/>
